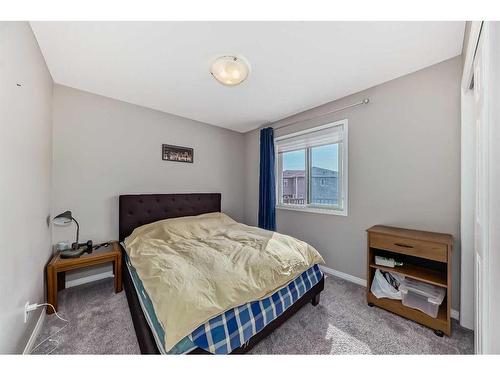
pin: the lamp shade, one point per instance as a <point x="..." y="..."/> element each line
<point x="63" y="219"/>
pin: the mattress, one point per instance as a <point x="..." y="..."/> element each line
<point x="184" y="346"/>
<point x="233" y="328"/>
<point x="196" y="267"/>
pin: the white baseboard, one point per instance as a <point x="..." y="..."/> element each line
<point x="356" y="280"/>
<point x="88" y="279"/>
<point x="345" y="276"/>
<point x="34" y="334"/>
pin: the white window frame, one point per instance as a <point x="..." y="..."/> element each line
<point x="342" y="209"/>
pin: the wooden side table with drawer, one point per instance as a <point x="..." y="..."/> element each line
<point x="57" y="267"/>
<point x="426" y="257"/>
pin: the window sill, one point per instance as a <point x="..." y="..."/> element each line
<point x="314" y="210"/>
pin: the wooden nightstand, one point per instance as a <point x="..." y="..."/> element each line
<point x="57" y="267"/>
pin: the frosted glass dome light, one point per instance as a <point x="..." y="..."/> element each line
<point x="229" y="70"/>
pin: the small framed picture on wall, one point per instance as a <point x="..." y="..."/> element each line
<point x="177" y="153"/>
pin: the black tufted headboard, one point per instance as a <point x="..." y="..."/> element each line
<point x="137" y="210"/>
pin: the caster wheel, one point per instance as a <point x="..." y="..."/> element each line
<point x="439" y="333"/>
<point x="370" y="304"/>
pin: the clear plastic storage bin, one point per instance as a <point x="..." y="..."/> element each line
<point x="422" y="296"/>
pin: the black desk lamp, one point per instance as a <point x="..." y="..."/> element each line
<point x="77" y="249"/>
<point x="64" y="219"/>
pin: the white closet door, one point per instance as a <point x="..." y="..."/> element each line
<point x="481" y="219"/>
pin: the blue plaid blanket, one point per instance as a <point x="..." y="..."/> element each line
<point x="232" y="329"/>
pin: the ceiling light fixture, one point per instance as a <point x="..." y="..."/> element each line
<point x="229" y="70"/>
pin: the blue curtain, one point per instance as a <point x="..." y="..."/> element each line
<point x="267" y="192"/>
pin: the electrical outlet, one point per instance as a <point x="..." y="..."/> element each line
<point x="26" y="312"/>
<point x="27" y="309"/>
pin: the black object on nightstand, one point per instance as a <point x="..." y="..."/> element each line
<point x="77" y="252"/>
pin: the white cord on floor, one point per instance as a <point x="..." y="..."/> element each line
<point x="49" y="338"/>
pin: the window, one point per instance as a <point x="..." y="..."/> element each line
<point x="312" y="169"/>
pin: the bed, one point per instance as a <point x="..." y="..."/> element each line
<point x="138" y="210"/>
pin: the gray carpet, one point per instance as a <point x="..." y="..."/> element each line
<point x="99" y="322"/>
<point x="342" y="323"/>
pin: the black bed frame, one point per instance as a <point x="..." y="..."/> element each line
<point x="137" y="210"/>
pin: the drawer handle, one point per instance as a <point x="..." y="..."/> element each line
<point x="403" y="245"/>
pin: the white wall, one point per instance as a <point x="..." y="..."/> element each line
<point x="25" y="160"/>
<point x="104" y="148"/>
<point x="404" y="167"/>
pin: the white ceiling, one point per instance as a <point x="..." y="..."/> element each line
<point x="294" y="65"/>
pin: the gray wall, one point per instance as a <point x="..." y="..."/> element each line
<point x="404" y="167"/>
<point x="25" y="160"/>
<point x="104" y="148"/>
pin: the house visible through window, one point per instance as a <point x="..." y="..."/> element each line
<point x="312" y="169"/>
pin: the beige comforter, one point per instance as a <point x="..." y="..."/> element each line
<point x="195" y="268"/>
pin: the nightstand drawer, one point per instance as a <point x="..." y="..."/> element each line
<point x="413" y="247"/>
